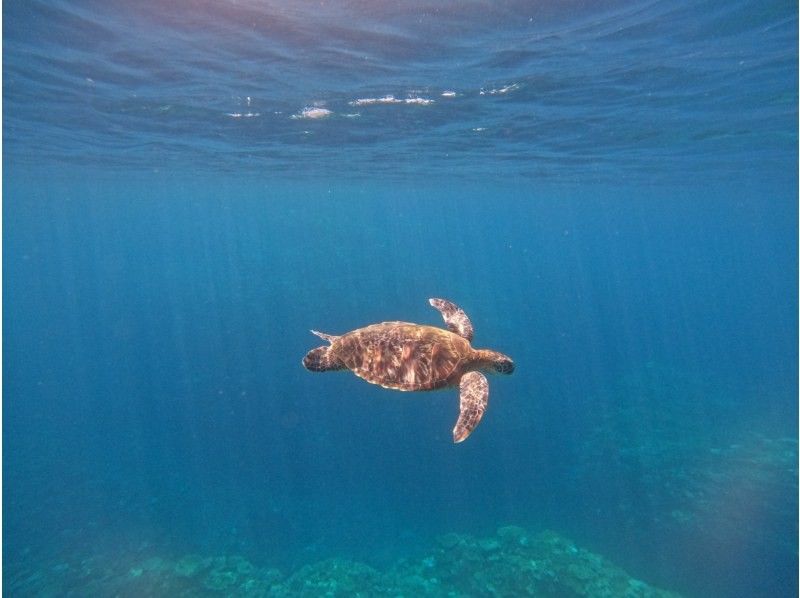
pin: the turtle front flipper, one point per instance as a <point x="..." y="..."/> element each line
<point x="455" y="318"/>
<point x="474" y="397"/>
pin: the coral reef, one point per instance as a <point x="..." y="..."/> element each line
<point x="697" y="468"/>
<point x="333" y="577"/>
<point x="513" y="562"/>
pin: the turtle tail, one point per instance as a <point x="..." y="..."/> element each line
<point x="321" y="360"/>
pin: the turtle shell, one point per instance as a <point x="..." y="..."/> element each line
<point x="404" y="356"/>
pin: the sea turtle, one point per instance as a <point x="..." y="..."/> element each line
<point x="405" y="356"/>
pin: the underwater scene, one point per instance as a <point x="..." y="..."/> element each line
<point x="425" y="298"/>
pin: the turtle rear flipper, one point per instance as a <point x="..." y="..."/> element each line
<point x="328" y="337"/>
<point x="322" y="360"/>
<point x="474" y="397"/>
<point x="456" y="319"/>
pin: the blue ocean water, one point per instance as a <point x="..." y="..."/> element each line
<point x="608" y="189"/>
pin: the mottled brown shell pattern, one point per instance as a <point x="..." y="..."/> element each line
<point x="404" y="356"/>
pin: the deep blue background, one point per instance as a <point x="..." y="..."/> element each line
<point x="627" y="212"/>
<point x="153" y="335"/>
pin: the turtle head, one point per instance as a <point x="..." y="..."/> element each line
<point x="503" y="364"/>
<point x="495" y="362"/>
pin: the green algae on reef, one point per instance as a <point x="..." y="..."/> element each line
<point x="513" y="562"/>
